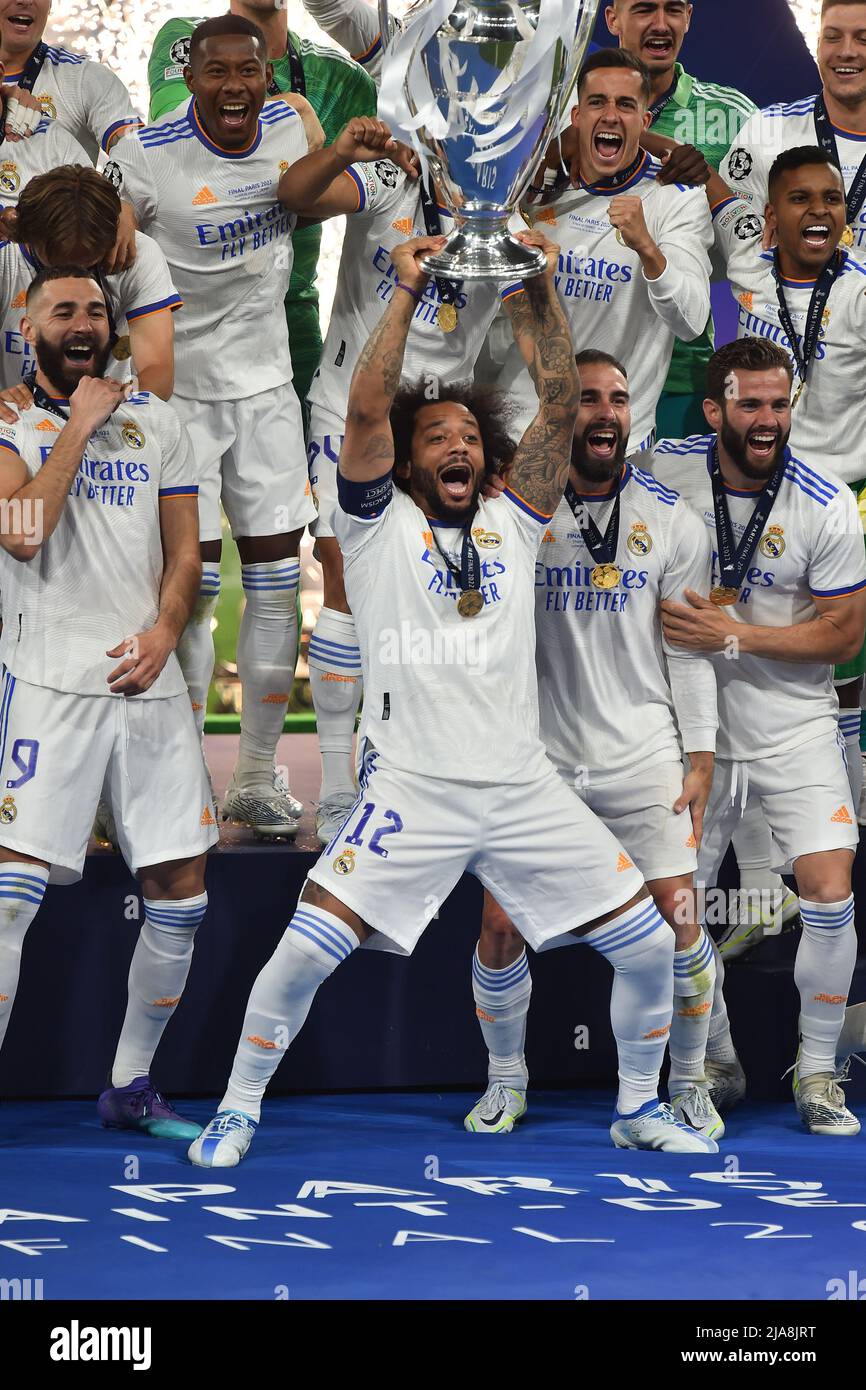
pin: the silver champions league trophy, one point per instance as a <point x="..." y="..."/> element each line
<point x="479" y="88"/>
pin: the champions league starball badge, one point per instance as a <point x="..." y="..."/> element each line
<point x="479" y="88"/>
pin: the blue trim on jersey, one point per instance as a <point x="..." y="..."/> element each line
<point x="803" y="107"/>
<point x="839" y="593"/>
<point x="152" y="137"/>
<point x="725" y="203"/>
<point x="275" y="111"/>
<point x="174" y="301"/>
<point x="55" y="56"/>
<point x="202" y="136"/>
<point x="130" y="122"/>
<point x="13" y="448"/>
<point x="657" y="489"/>
<point x="816" y="479"/>
<point x="641" y="172"/>
<point x="849" y="263"/>
<point x="694" y="444"/>
<point x="526" y="507"/>
<point x="359" y="184"/>
<point x="191" y="490"/>
<point x="369" y="54"/>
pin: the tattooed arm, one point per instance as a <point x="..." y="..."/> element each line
<point x="368" y="446"/>
<point x="540" y="468"/>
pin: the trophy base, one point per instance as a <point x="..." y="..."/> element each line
<point x="471" y="256"/>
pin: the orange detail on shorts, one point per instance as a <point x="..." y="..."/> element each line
<point x="262" y="1042"/>
<point x="829" y="998"/>
<point x="207" y="817"/>
<point x="697" y="1011"/>
<point x="623" y="863"/>
<point x="276" y="699"/>
<point x="166" y="1003"/>
<point x="691" y="842"/>
<point x="488" y="1018"/>
<point x="841" y="817"/>
<point x="404" y="225"/>
<point x="332" y="676"/>
<point x="658" y="1032"/>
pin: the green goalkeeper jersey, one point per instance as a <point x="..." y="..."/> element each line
<point x="710" y="117"/>
<point x="337" y="89"/>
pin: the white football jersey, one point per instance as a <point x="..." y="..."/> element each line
<point x="389" y="212"/>
<point x="746" y="167"/>
<point x="812" y="546"/>
<point x="600" y="652"/>
<point x="228" y="243"/>
<point x="21" y="160"/>
<point x="446" y="696"/>
<point x="87" y="99"/>
<point x="609" y="302"/>
<point x="829" y="419"/>
<point x="145" y="288"/>
<point x="97" y="577"/>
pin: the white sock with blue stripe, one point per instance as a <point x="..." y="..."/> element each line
<point x="195" y="650"/>
<point x="22" y="888"/>
<point x="640" y="946"/>
<point x="157" y="975"/>
<point x="335" y="684"/>
<point x="823" y="972"/>
<point x="694" y="984"/>
<point x="267" y="653"/>
<point x="849" y="728"/>
<point x="314" y="943"/>
<point x="501" y="1004"/>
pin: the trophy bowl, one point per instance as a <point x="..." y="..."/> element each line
<point x="480" y="94"/>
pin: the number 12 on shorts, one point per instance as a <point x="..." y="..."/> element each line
<point x="391" y="826"/>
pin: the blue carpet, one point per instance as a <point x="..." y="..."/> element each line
<point x="683" y="1237"/>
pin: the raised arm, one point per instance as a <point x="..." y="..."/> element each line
<point x="540" y="468"/>
<point x="368" y="446"/>
<point x="318" y="185"/>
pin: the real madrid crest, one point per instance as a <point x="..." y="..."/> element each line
<point x="8" y="810"/>
<point x="345" y="862"/>
<point x="640" y="542"/>
<point x="132" y="435"/>
<point x="486" y="540"/>
<point x="773" y="543"/>
<point x="10" y="179"/>
<point x="48" y="107"/>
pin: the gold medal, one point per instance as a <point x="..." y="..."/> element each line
<point x="470" y="603"/>
<point x="606" y="576"/>
<point x="121" y="351"/>
<point x="447" y="318"/>
<point x="723" y="597"/>
<point x="797" y="394"/>
<point x="847" y="237"/>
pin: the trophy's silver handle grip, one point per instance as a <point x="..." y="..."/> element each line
<point x="386" y="23"/>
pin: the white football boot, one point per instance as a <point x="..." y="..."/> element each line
<point x="755" y="923"/>
<point x="331" y="814"/>
<point x="498" y="1110"/>
<point x="271" y="812"/>
<point x="655" y="1126"/>
<point x="820" y="1103"/>
<point x="726" y="1082"/>
<point x="224" y="1142"/>
<point x="693" y="1106"/>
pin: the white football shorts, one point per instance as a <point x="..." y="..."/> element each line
<point x="805" y="797"/>
<point x="56" y="751"/>
<point x="249" y="453"/>
<point x="639" y="812"/>
<point x="324" y="442"/>
<point x="550" y="863"/>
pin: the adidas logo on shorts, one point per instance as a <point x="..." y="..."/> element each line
<point x="841" y="817"/>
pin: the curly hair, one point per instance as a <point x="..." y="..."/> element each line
<point x="489" y="407"/>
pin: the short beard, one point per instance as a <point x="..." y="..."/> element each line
<point x="593" y="469"/>
<point x="738" y="451"/>
<point x="424" y="484"/>
<point x="54" y="364"/>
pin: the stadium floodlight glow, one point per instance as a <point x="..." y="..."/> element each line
<point x="808" y="16"/>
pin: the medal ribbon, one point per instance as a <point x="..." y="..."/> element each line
<point x="28" y="79"/>
<point x="447" y="290"/>
<point x="734" y="560"/>
<point x="296" y="71"/>
<point x="602" y="548"/>
<point x="42" y="399"/>
<point x="814" y="318"/>
<point x="661" y="102"/>
<point x="826" y="138"/>
<point x="468" y="573"/>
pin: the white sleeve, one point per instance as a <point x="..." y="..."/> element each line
<point x="837" y="563"/>
<point x="128" y="170"/>
<point x="691" y="674"/>
<point x="738" y="231"/>
<point x="746" y="166"/>
<point x="178" y="476"/>
<point x="684" y="234"/>
<point x="108" y="111"/>
<point x="379" y="185"/>
<point x="146" y="286"/>
<point x="354" y="25"/>
<point x="355" y="533"/>
<point x="60" y="146"/>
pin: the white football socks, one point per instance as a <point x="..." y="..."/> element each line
<point x="501" y="1005"/>
<point x="22" y="888"/>
<point x="157" y="975"/>
<point x="267" y="654"/>
<point x="195" y="650"/>
<point x="720" y="1044"/>
<point x="823" y="972"/>
<point x="640" y="946"/>
<point x="314" y="943"/>
<point x="694" y="983"/>
<point x="335" y="682"/>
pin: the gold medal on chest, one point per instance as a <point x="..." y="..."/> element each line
<point x="606" y="576"/>
<point x="470" y="603"/>
<point x="447" y="318"/>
